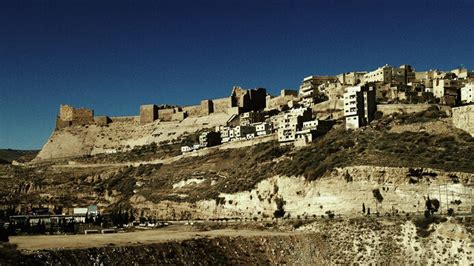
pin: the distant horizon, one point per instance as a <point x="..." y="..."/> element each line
<point x="113" y="56"/>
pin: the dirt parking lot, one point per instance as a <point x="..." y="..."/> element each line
<point x="173" y="233"/>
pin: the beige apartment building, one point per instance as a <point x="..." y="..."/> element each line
<point x="309" y="85"/>
<point x="292" y="122"/>
<point x="389" y="74"/>
<point x="381" y="74"/>
<point x="447" y="89"/>
<point x="359" y="106"/>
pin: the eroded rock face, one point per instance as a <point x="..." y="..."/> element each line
<point x="396" y="240"/>
<point x="344" y="192"/>
<point x="463" y="118"/>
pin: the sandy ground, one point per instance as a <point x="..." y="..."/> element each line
<point x="29" y="243"/>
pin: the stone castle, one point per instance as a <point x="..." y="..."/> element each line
<point x="240" y="101"/>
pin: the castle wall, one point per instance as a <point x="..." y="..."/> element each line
<point x="234" y="110"/>
<point x="116" y="119"/>
<point x="102" y="120"/>
<point x="463" y="118"/>
<point x="148" y="113"/>
<point x="279" y="101"/>
<point x="221" y="105"/>
<point x="193" y="110"/>
<point x="61" y="123"/>
<point x="248" y="100"/>
<point x="207" y="107"/>
<point x="165" y="114"/>
<point x="82" y="116"/>
<point x="69" y="116"/>
<point x="179" y="116"/>
<point x="65" y="112"/>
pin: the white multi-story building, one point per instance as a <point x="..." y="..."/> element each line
<point x="240" y="132"/>
<point x="251" y="117"/>
<point x="288" y="126"/>
<point x="467" y="93"/>
<point x="311" y="130"/>
<point x="359" y="106"/>
<point x="225" y="133"/>
<point x="263" y="128"/>
<point x="291" y="122"/>
<point x="310" y="124"/>
<point x="462" y="73"/>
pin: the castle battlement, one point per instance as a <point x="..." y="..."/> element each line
<point x="241" y="100"/>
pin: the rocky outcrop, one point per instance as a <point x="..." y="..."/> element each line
<point x="463" y="118"/>
<point x="344" y="191"/>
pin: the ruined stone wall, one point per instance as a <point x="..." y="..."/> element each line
<point x="279" y="101"/>
<point x="148" y="113"/>
<point x="207" y="107"/>
<point x="65" y="112"/>
<point x="165" y="114"/>
<point x="194" y="110"/>
<point x="221" y="105"/>
<point x="102" y="120"/>
<point x="248" y="100"/>
<point x="69" y="116"/>
<point x="179" y="116"/>
<point x="240" y="97"/>
<point x="61" y="123"/>
<point x="116" y="119"/>
<point x="82" y="116"/>
<point x="463" y="118"/>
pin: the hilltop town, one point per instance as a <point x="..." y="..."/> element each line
<point x="380" y="161"/>
<point x="294" y="117"/>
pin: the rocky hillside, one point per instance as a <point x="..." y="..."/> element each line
<point x="8" y="155"/>
<point x="389" y="240"/>
<point x="392" y="166"/>
<point x="121" y="136"/>
<point x="355" y="178"/>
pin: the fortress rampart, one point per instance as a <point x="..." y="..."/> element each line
<point x="279" y="102"/>
<point x="70" y="116"/>
<point x="241" y="100"/>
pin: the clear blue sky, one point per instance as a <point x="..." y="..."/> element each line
<point x="113" y="56"/>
